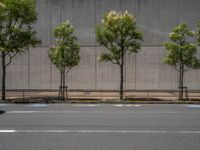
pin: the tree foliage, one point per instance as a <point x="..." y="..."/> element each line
<point x="119" y="34"/>
<point x="181" y="49"/>
<point x="16" y="32"/>
<point x="66" y="53"/>
<point x="182" y="52"/>
<point x="16" y="20"/>
<point x="2" y="5"/>
<point x="198" y="33"/>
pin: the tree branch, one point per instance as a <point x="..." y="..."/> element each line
<point x="67" y="71"/>
<point x="117" y="62"/>
<point x="10" y="58"/>
<point x="177" y="69"/>
<point x="8" y="27"/>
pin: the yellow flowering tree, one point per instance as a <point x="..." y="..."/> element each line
<point x="119" y="34"/>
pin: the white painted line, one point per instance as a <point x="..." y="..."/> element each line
<point x="118" y="105"/>
<point x="126" y="105"/>
<point x="192" y="106"/>
<point x="41" y="112"/>
<point x="92" y="105"/>
<point x="101" y="131"/>
<point x="3" y="105"/>
<point x="36" y="105"/>
<point x="99" y="112"/>
<point x="86" y="105"/>
<point x="7" y="131"/>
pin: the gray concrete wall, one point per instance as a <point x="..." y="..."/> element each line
<point x="144" y="70"/>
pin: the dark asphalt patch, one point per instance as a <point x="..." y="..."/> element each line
<point x="1" y="112"/>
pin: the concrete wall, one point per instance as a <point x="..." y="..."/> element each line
<point x="144" y="70"/>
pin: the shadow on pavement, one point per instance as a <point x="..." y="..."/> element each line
<point x="1" y="112"/>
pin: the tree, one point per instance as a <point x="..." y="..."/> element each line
<point x="198" y="33"/>
<point x="118" y="33"/>
<point x="16" y="33"/>
<point x="181" y="52"/>
<point x="66" y="54"/>
<point x="2" y="5"/>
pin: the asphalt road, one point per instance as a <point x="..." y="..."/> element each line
<point x="99" y="127"/>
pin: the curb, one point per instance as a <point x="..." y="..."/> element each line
<point x="136" y="102"/>
<point x="105" y="102"/>
<point x="96" y="101"/>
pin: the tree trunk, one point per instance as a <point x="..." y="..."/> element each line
<point x="61" y="85"/>
<point x="3" y="76"/>
<point x="181" y="73"/>
<point x="182" y="76"/>
<point x="63" y="90"/>
<point x="64" y="84"/>
<point x="122" y="79"/>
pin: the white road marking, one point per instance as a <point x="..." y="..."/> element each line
<point x="192" y="106"/>
<point x="101" y="131"/>
<point x="42" y="112"/>
<point x="126" y="105"/>
<point x="36" y="105"/>
<point x="7" y="131"/>
<point x="119" y="105"/>
<point x="3" y="105"/>
<point x="98" y="112"/>
<point x="86" y="105"/>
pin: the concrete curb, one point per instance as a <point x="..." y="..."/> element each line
<point x="136" y="102"/>
<point x="103" y="102"/>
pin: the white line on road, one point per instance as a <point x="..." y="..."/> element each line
<point x="101" y="131"/>
<point x="43" y="112"/>
<point x="36" y="105"/>
<point x="99" y="112"/>
<point x="86" y="105"/>
<point x="7" y="131"/>
<point x="126" y="105"/>
<point x="119" y="105"/>
<point x="136" y="105"/>
<point x="3" y="105"/>
<point x="192" y="106"/>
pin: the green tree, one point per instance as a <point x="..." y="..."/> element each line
<point x="198" y="33"/>
<point x="2" y="5"/>
<point x="181" y="52"/>
<point x="16" y="33"/>
<point x="118" y="33"/>
<point x="66" y="54"/>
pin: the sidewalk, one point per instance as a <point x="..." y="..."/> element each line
<point x="103" y="96"/>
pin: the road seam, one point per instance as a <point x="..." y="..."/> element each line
<point x="98" y="112"/>
<point x="101" y="131"/>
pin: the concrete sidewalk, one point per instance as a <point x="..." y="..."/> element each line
<point x="102" y="95"/>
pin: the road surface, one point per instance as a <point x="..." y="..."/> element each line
<point x="99" y="127"/>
